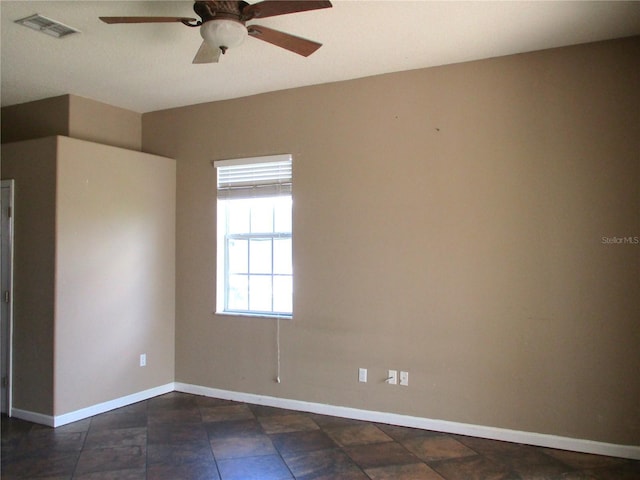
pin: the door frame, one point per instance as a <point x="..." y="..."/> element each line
<point x="7" y="342"/>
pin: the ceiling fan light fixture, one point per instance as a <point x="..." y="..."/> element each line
<point x="223" y="33"/>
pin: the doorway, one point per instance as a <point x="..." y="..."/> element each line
<point x="6" y="310"/>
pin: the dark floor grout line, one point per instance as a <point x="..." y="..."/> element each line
<point x="146" y="443"/>
<point x="213" y="455"/>
<point x="84" y="442"/>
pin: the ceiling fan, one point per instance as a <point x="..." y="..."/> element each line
<point x="223" y="25"/>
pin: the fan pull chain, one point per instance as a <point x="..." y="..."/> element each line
<point x="278" y="348"/>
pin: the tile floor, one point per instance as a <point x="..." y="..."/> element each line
<point x="189" y="437"/>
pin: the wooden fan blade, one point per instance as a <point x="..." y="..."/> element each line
<point x="298" y="45"/>
<point x="207" y="54"/>
<point x="271" y="8"/>
<point x="111" y="20"/>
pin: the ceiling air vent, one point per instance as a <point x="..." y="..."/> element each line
<point x="47" y="25"/>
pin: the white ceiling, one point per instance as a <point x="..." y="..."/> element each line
<point x="148" y="67"/>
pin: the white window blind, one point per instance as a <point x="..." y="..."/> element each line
<point x="254" y="177"/>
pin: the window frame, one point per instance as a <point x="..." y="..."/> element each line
<point x="280" y="187"/>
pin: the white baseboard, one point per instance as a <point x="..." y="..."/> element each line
<point x="83" y="413"/>
<point x="59" y="420"/>
<point x="494" y="433"/>
<point x="33" y="417"/>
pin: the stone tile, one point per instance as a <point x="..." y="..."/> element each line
<point x="269" y="467"/>
<point x="11" y="426"/>
<point x="537" y="463"/>
<point x="47" y="477"/>
<point x="305" y="441"/>
<point x="167" y="415"/>
<point x="575" y="475"/>
<point x="135" y="408"/>
<point x="174" y="436"/>
<point x="121" y="437"/>
<point x="226" y="413"/>
<point x="53" y="441"/>
<point x="328" y="421"/>
<point x="43" y="464"/>
<point x="473" y="468"/>
<point x="627" y="471"/>
<point x="402" y="433"/>
<point x="197" y="471"/>
<point x="179" y="454"/>
<point x="110" y="421"/>
<point x="172" y="401"/>
<point x="413" y="471"/>
<point x="265" y="411"/>
<point x="287" y="423"/>
<point x="237" y="428"/>
<point x="529" y="462"/>
<point x="583" y="460"/>
<point x="485" y="446"/>
<point x="170" y="433"/>
<point x="247" y="446"/>
<point x="9" y="451"/>
<point x="14" y="433"/>
<point x="79" y="426"/>
<point x="380" y="455"/>
<point x="107" y="459"/>
<point x="357" y="435"/>
<point x="434" y="448"/>
<point x="208" y="402"/>
<point x="131" y="474"/>
<point x="330" y="464"/>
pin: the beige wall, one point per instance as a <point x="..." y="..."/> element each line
<point x="115" y="274"/>
<point x="101" y="123"/>
<point x="94" y="272"/>
<point x="41" y="118"/>
<point x="32" y="164"/>
<point x="447" y="222"/>
<point x="75" y="117"/>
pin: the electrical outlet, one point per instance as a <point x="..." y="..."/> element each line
<point x="392" y="378"/>
<point x="404" y="378"/>
<point x="362" y="375"/>
<point x="143" y="359"/>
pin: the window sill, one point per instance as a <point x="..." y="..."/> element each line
<point x="253" y="315"/>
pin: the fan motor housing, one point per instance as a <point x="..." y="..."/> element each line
<point x="209" y="10"/>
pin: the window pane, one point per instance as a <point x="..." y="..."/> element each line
<point x="238" y="256"/>
<point x="257" y="262"/>
<point x="260" y="256"/>
<point x="260" y="296"/>
<point x="282" y="256"/>
<point x="238" y="215"/>
<point x="283" y="294"/>
<point x="262" y="216"/>
<point x="238" y="293"/>
<point x="282" y="214"/>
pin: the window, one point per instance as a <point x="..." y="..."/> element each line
<point x="255" y="272"/>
